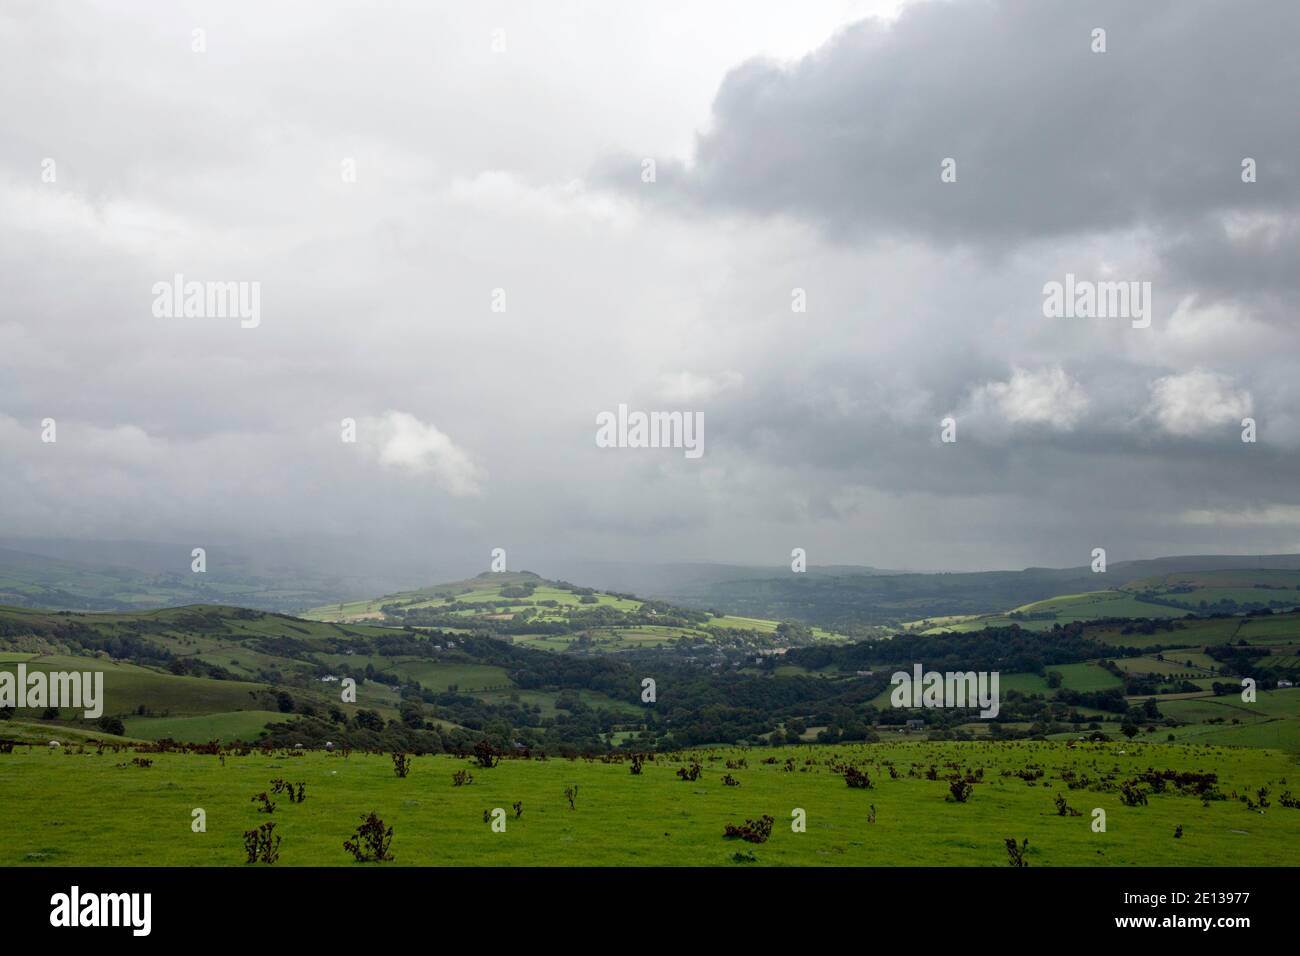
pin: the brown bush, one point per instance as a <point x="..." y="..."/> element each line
<point x="752" y="831"/>
<point x="857" y="779"/>
<point x="261" y="843"/>
<point x="370" y="841"/>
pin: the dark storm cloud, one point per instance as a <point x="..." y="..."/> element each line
<point x="1049" y="137"/>
<point x="1123" y="164"/>
<point x="1257" y="262"/>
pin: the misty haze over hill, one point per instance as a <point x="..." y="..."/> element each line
<point x="84" y="576"/>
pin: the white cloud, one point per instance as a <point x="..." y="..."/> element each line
<point x="400" y="440"/>
<point x="1044" y="397"/>
<point x="1193" y="403"/>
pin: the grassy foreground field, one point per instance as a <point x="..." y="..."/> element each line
<point x="92" y="809"/>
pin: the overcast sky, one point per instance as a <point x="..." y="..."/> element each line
<point x="796" y="146"/>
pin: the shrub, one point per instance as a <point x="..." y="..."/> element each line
<point x="268" y="805"/>
<point x="752" y="831"/>
<point x="1132" y="795"/>
<point x="690" y="774"/>
<point x="370" y="841"/>
<point x="486" y="755"/>
<point x="295" y="795"/>
<point x="857" y="779"/>
<point x="1063" y="809"/>
<point x="571" y="794"/>
<point x="1017" y="853"/>
<point x="261" y="843"/>
<point x="960" y="790"/>
<point x="401" y="764"/>
<point x="461" y="777"/>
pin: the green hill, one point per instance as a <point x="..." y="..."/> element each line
<point x="853" y="601"/>
<point x="527" y="609"/>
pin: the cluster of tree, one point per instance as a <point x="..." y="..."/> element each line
<point x="1239" y="659"/>
<point x="1009" y="649"/>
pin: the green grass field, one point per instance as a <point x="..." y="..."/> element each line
<point x="96" y="809"/>
<point x="1098" y="604"/>
<point x="1085" y="677"/>
<point x="436" y="675"/>
<point x="227" y="728"/>
<point x="1267" y="630"/>
<point x="128" y="686"/>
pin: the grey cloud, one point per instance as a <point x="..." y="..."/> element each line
<point x="821" y="428"/>
<point x="1050" y="138"/>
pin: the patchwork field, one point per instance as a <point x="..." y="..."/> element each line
<point x="1094" y="605"/>
<point x="1163" y="597"/>
<point x="69" y="808"/>
<point x="559" y="617"/>
<point x="226" y="728"/>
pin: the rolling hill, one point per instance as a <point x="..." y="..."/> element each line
<point x="161" y="580"/>
<point x="1169" y="595"/>
<point x="526" y="661"/>
<point x="555" y="615"/>
<point x="854" y="600"/>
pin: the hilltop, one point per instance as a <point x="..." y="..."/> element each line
<point x="532" y="611"/>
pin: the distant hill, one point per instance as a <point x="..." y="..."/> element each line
<point x="557" y="615"/>
<point x="673" y="578"/>
<point x="1173" y="595"/>
<point x="38" y="580"/>
<point x="844" y="599"/>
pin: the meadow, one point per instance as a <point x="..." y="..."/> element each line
<point x="83" y="807"/>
